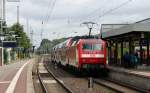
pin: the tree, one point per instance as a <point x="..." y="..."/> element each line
<point x="46" y="45"/>
<point x="3" y="24"/>
<point x="23" y="41"/>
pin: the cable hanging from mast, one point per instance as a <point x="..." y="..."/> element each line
<point x="111" y="10"/>
<point x="49" y="12"/>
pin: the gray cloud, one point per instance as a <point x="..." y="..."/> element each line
<point x="69" y="14"/>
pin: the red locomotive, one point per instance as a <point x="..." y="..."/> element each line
<point x="81" y="52"/>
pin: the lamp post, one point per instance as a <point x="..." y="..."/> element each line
<point x="17" y="38"/>
<point x="1" y="39"/>
<point x="33" y="47"/>
<point x="1" y="26"/>
<point x="1" y="50"/>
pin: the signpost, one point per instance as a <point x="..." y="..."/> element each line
<point x="2" y="20"/>
<point x="1" y="56"/>
<point x="9" y="44"/>
<point x="13" y="0"/>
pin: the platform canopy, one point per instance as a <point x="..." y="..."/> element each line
<point x="129" y="38"/>
<point x="111" y="30"/>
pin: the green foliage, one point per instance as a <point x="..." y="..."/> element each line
<point x="3" y="24"/>
<point x="46" y="45"/>
<point x="23" y="41"/>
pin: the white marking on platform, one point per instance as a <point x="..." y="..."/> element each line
<point x="5" y="82"/>
<point x="13" y="83"/>
<point x="141" y="73"/>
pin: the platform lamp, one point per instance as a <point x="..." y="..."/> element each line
<point x="17" y="38"/>
<point x="141" y="41"/>
<point x="2" y="39"/>
<point x="1" y="21"/>
<point x="33" y="48"/>
<point x="141" y="49"/>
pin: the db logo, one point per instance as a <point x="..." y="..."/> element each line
<point x="92" y="55"/>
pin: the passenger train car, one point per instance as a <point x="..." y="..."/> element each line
<point x="81" y="52"/>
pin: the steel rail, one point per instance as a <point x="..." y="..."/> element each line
<point x="128" y="86"/>
<point x="41" y="82"/>
<point x="114" y="89"/>
<point x="68" y="90"/>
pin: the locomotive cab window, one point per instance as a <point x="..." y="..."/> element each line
<point x="92" y="47"/>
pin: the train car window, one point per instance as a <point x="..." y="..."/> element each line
<point x="92" y="47"/>
<point x="97" y="47"/>
<point x="87" y="47"/>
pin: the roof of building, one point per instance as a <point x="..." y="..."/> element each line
<point x="140" y="26"/>
<point x="147" y="20"/>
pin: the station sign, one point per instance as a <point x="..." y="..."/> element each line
<point x="9" y="44"/>
<point x="13" y="0"/>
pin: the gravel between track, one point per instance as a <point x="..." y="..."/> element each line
<point x="77" y="84"/>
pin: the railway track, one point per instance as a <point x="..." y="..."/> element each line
<point x="44" y="89"/>
<point x="48" y="76"/>
<point x="73" y="84"/>
<point x="78" y="84"/>
<point x="115" y="86"/>
<point x="127" y="86"/>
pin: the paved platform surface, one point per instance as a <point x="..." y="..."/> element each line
<point x="17" y="77"/>
<point x="131" y="71"/>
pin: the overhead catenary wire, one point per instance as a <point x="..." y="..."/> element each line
<point x="49" y="12"/>
<point x="49" y="6"/>
<point x="107" y="12"/>
<point x="115" y="8"/>
<point x="42" y="29"/>
<point x="47" y="16"/>
<point x="92" y="12"/>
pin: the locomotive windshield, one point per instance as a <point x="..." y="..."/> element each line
<point x="92" y="47"/>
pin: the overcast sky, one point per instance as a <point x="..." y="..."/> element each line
<point x="65" y="16"/>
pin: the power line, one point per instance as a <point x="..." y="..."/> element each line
<point x="41" y="34"/>
<point x="48" y="16"/>
<point x="31" y="35"/>
<point x="111" y="10"/>
<point x="49" y="6"/>
<point x="91" y="13"/>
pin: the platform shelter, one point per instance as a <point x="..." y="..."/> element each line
<point x="131" y="38"/>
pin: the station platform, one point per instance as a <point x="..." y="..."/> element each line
<point x="17" y="77"/>
<point x="136" y="78"/>
<point x="140" y="71"/>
